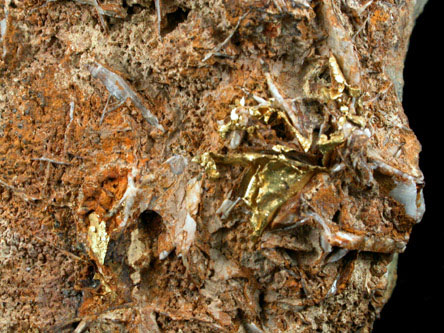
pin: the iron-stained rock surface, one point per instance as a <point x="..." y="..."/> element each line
<point x="203" y="166"/>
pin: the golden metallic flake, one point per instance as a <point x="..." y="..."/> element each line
<point x="355" y="92"/>
<point x="238" y="121"/>
<point x="97" y="237"/>
<point x="271" y="186"/>
<point x="247" y="159"/>
<point x="344" y="109"/>
<point x="328" y="144"/>
<point x="342" y="121"/>
<point x="305" y="142"/>
<point x="336" y="71"/>
<point x="338" y="80"/>
<point x="103" y="283"/>
<point x="357" y="120"/>
<point x="282" y="149"/>
<point x="263" y="112"/>
<point x="207" y="161"/>
<point x="270" y="181"/>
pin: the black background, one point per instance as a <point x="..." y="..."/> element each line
<point x="417" y="302"/>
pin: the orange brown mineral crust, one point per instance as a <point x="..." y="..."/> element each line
<point x="203" y="166"/>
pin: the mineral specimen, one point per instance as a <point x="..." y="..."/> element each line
<point x="258" y="173"/>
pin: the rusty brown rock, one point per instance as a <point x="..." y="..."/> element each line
<point x="204" y="166"/>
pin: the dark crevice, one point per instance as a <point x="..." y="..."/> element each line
<point x="173" y="20"/>
<point x="150" y="221"/>
<point x="132" y="10"/>
<point x="336" y="216"/>
<point x="261" y="300"/>
<point x="292" y="254"/>
<point x="151" y="227"/>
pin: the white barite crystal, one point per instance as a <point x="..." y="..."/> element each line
<point x="224" y="269"/>
<point x="226" y="207"/>
<point x="421" y="206"/>
<point x="338" y="167"/>
<point x="2" y="28"/>
<point x="121" y="90"/>
<point x="185" y="228"/>
<point x="406" y="194"/>
<point x="347" y="237"/>
<point x="337" y="255"/>
<point x="190" y="230"/>
<point x="192" y="198"/>
<point x="177" y="164"/>
<point x="163" y="255"/>
<point x="334" y="287"/>
<point x="71" y="111"/>
<point x="235" y="139"/>
<point x="129" y="197"/>
<point x="252" y="328"/>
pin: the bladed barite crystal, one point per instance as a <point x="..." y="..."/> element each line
<point x="256" y="172"/>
